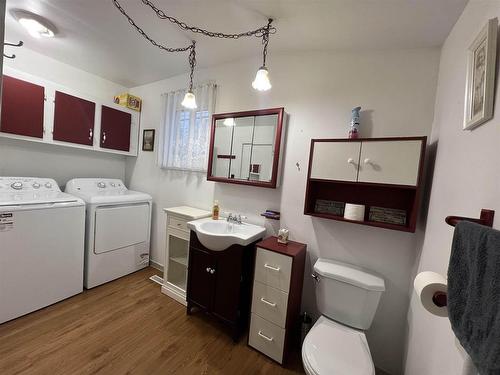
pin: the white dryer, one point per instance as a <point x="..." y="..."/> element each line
<point x="117" y="229"/>
<point x="41" y="245"/>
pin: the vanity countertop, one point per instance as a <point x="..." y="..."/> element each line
<point x="187" y="212"/>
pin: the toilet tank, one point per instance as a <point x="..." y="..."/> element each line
<point x="346" y="293"/>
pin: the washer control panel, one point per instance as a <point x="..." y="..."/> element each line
<point x="21" y="184"/>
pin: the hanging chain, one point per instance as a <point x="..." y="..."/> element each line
<point x="192" y="64"/>
<point x="146" y="36"/>
<point x="265" y="40"/>
<point x="260" y="32"/>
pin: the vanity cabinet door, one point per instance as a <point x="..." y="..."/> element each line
<point x="22" y="107"/>
<point x="335" y="161"/>
<point x="115" y="129"/>
<point x="228" y="283"/>
<point x="390" y="162"/>
<point x="73" y="119"/>
<point x="201" y="278"/>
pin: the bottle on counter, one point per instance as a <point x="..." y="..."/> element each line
<point x="215" y="211"/>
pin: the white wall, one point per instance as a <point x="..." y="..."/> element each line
<point x="318" y="90"/>
<point x="24" y="158"/>
<point x="466" y="179"/>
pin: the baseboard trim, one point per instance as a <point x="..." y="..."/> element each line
<point x="156" y="265"/>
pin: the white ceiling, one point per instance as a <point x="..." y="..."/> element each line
<point x="95" y="37"/>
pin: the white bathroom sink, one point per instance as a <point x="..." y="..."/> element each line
<point x="219" y="234"/>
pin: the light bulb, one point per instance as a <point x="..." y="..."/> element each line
<point x="261" y="81"/>
<point x="189" y="100"/>
<point x="35" y="28"/>
<point x="229" y="121"/>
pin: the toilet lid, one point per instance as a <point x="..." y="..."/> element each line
<point x="334" y="349"/>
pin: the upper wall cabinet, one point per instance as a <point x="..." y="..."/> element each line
<point x="41" y="111"/>
<point x="245" y="147"/>
<point x="382" y="174"/>
<point x="22" y="108"/>
<point x="73" y="119"/>
<point x="115" y="129"/>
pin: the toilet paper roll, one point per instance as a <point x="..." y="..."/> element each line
<point x="426" y="285"/>
<point x="354" y="212"/>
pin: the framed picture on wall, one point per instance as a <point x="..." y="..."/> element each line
<point x="480" y="86"/>
<point x="148" y="140"/>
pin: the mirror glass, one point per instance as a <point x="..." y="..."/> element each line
<point x="244" y="147"/>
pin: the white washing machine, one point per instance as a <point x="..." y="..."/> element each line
<point x="117" y="229"/>
<point x="41" y="245"/>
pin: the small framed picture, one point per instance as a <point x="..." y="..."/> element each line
<point x="148" y="140"/>
<point x="481" y="61"/>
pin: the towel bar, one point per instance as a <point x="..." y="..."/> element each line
<point x="486" y="218"/>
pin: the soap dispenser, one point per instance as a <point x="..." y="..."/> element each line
<point x="215" y="211"/>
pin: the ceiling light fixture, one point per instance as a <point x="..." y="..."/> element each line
<point x="261" y="81"/>
<point x="36" y="25"/>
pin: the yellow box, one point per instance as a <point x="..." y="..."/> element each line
<point x="129" y="101"/>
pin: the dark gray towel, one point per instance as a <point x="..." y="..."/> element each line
<point x="474" y="294"/>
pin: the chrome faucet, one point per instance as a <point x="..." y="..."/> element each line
<point x="235" y="219"/>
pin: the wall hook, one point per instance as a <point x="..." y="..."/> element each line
<point x="18" y="44"/>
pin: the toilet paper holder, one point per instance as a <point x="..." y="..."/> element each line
<point x="440" y="299"/>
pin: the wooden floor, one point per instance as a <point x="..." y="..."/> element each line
<point x="126" y="327"/>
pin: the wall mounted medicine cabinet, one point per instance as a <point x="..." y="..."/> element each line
<point x="37" y="110"/>
<point x="246" y="147"/>
<point x="383" y="174"/>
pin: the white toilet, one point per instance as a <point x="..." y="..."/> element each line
<point x="347" y="298"/>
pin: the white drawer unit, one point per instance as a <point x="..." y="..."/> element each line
<point x="277" y="293"/>
<point x="177" y="250"/>
<point x="273" y="269"/>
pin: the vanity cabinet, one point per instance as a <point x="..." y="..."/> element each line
<point x="177" y="250"/>
<point x="22" y="108"/>
<point x="276" y="300"/>
<point x="383" y="174"/>
<point x="219" y="282"/>
<point x="73" y="119"/>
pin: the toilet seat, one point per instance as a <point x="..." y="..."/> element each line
<point x="331" y="348"/>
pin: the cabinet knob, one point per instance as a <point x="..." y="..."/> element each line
<point x="103" y="137"/>
<point x="212" y="271"/>
<point x="208" y="269"/>
<point x="367" y="161"/>
<point x="91" y="134"/>
<point x="350" y="161"/>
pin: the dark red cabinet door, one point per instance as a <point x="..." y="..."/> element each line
<point x="200" y="280"/>
<point x="22" y="107"/>
<point x="115" y="129"/>
<point x="228" y="275"/>
<point x="73" y="119"/>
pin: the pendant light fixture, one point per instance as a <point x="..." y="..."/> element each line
<point x="261" y="81"/>
<point x="189" y="101"/>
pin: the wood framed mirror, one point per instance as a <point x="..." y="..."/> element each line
<point x="245" y="147"/>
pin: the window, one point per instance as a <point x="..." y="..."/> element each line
<point x="185" y="134"/>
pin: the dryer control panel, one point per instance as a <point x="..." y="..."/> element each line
<point x="94" y="186"/>
<point x="13" y="184"/>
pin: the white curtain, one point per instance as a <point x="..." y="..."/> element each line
<point x="185" y="133"/>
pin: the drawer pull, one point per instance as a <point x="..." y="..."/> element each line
<point x="277" y="269"/>
<point x="272" y="304"/>
<point x="267" y="338"/>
